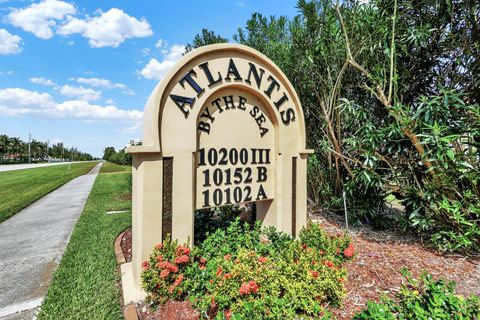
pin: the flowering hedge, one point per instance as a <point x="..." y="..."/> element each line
<point x="256" y="272"/>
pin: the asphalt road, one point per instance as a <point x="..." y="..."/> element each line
<point x="11" y="167"/>
<point x="32" y="243"/>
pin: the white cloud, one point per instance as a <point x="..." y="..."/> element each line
<point x="156" y="70"/>
<point x="40" y="18"/>
<point x="105" y="83"/>
<point x="83" y="109"/>
<point x="80" y="93"/>
<point x="43" y="81"/>
<point x="19" y="97"/>
<point x="159" y="43"/>
<point x="6" y="73"/>
<point x="240" y="4"/>
<point x="109" y="29"/>
<point x="9" y="43"/>
<point x="110" y="101"/>
<point x="18" y="101"/>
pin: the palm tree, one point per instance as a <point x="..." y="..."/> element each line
<point x="3" y="145"/>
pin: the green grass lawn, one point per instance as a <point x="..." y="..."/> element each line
<point x="20" y="188"/>
<point x="84" y="285"/>
<point x="112" y="167"/>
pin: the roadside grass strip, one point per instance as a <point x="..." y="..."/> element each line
<point x="20" y="188"/>
<point x="109" y="167"/>
<point x="85" y="283"/>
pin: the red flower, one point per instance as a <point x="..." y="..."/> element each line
<point x="171" y="288"/>
<point x="228" y="257"/>
<point x="203" y="260"/>
<point x="145" y="265"/>
<point x="322" y="252"/>
<point x="227" y="276"/>
<point x="182" y="259"/>
<point x="213" y="302"/>
<point x="179" y="280"/>
<point x="164" y="273"/>
<point x="349" y="251"/>
<point x="159" y="246"/>
<point x="328" y="263"/>
<point x="253" y="286"/>
<point x="314" y="273"/>
<point x="182" y="250"/>
<point x="247" y="288"/>
<point x="219" y="271"/>
<point x="228" y="314"/>
<point x="304" y="246"/>
<point x="262" y="259"/>
<point x="244" y="289"/>
<point x="159" y="258"/>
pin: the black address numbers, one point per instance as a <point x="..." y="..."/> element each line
<point x="230" y="175"/>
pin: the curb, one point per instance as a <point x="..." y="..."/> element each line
<point x="118" y="249"/>
<point x="129" y="311"/>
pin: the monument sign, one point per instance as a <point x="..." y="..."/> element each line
<point x="223" y="127"/>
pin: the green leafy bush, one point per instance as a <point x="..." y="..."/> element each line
<point x="423" y="298"/>
<point x="245" y="271"/>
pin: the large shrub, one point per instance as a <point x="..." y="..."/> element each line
<point x="252" y="272"/>
<point x="391" y="103"/>
<point x="423" y="298"/>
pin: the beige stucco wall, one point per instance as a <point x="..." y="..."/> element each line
<point x="169" y="132"/>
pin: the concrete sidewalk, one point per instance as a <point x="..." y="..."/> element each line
<point x="32" y="243"/>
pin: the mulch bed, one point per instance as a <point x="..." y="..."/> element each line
<point x="380" y="256"/>
<point x="126" y="244"/>
<point x="376" y="269"/>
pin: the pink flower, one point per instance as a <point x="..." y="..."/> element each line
<point x="182" y="259"/>
<point x="181" y="250"/>
<point x="328" y="263"/>
<point x="179" y="280"/>
<point x="159" y="258"/>
<point x="248" y="287"/>
<point x="228" y="314"/>
<point x="227" y="276"/>
<point x="219" y="271"/>
<point x="314" y="273"/>
<point x="253" y="286"/>
<point x="145" y="265"/>
<point x="228" y="257"/>
<point x="244" y="289"/>
<point x="159" y="246"/>
<point x="164" y="273"/>
<point x="262" y="259"/>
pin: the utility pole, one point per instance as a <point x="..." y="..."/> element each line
<point x="48" y="142"/>
<point x="29" y="148"/>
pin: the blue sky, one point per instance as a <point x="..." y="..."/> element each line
<point x="80" y="72"/>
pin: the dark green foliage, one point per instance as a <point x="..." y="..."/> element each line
<point x="207" y="37"/>
<point x="107" y="152"/>
<point x="391" y="102"/>
<point x="423" y="298"/>
<point x="13" y="150"/>
<point x="209" y="220"/>
<point x="120" y="157"/>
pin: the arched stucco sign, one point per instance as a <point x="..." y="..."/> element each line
<point x="224" y="126"/>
